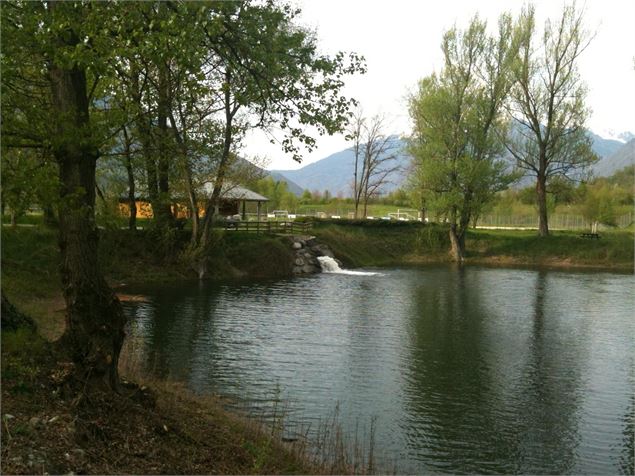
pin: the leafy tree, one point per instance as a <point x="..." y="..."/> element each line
<point x="28" y="178"/>
<point x="306" y="197"/>
<point x="548" y="102"/>
<point x="54" y="56"/>
<point x="270" y="76"/>
<point x="458" y="126"/>
<point x="599" y="205"/>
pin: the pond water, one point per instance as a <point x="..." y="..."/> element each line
<point x="473" y="370"/>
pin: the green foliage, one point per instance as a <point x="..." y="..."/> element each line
<point x="548" y="101"/>
<point x="27" y="179"/>
<point x="600" y="204"/>
<point x="280" y="198"/>
<point x="432" y="238"/>
<point x="458" y="125"/>
<point x="306" y="197"/>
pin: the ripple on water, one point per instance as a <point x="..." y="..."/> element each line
<point x="473" y="370"/>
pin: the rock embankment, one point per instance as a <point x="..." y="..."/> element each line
<point x="306" y="251"/>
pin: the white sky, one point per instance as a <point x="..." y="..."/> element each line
<point x="400" y="40"/>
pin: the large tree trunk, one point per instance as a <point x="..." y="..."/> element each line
<point x="457" y="244"/>
<point x="457" y="234"/>
<point x="163" y="211"/>
<point x="94" y="317"/>
<point x="541" y="197"/>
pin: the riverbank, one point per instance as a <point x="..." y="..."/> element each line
<point x="186" y="434"/>
<point x="152" y="428"/>
<point x="163" y="430"/>
<point x="30" y="256"/>
<point x="391" y="244"/>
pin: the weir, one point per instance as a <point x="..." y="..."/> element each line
<point x="329" y="265"/>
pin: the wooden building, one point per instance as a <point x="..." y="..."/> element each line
<point x="234" y="201"/>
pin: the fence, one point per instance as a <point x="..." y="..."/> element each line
<point x="282" y="227"/>
<point x="557" y="221"/>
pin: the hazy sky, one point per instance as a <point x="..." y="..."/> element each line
<point x="400" y="40"/>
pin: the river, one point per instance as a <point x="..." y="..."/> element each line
<point x="473" y="370"/>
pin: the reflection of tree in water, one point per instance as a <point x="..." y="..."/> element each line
<point x="181" y="317"/>
<point x="448" y="379"/>
<point x="459" y="420"/>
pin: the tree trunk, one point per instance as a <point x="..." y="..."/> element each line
<point x="457" y="244"/>
<point x="541" y="196"/>
<point x="49" y="217"/>
<point x="213" y="203"/>
<point x="189" y="182"/>
<point x="132" y="201"/>
<point x="94" y="317"/>
<point x="163" y="212"/>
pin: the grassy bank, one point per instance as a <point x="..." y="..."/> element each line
<point x="386" y="243"/>
<point x="30" y="264"/>
<point x="614" y="249"/>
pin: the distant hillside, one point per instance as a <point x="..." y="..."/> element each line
<point x="258" y="172"/>
<point x="291" y="186"/>
<point x="604" y="147"/>
<point x="622" y="157"/>
<point x="335" y="172"/>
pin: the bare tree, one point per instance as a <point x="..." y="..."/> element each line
<point x="375" y="158"/>
<point x="548" y="102"/>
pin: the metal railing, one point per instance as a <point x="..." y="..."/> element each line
<point x="557" y="221"/>
<point x="276" y="227"/>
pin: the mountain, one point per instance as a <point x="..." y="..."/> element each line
<point x="252" y="170"/>
<point x="604" y="146"/>
<point x="612" y="134"/>
<point x="291" y="186"/>
<point x="335" y="172"/>
<point x="622" y="157"/>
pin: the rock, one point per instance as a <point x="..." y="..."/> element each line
<point x="307" y="268"/>
<point x="322" y="250"/>
<point x="297" y="270"/>
<point x="34" y="422"/>
<point x="8" y="416"/>
<point x="296" y="245"/>
<point x="299" y="262"/>
<point x="78" y="452"/>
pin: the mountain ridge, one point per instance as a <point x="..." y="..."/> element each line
<point x="335" y="172"/>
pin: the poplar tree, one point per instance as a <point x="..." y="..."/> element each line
<point x="548" y="102"/>
<point x="458" y="125"/>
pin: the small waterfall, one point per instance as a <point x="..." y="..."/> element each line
<point x="329" y="265"/>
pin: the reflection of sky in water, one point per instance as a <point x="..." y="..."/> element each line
<point x="473" y="370"/>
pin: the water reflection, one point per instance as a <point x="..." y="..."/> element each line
<point x="466" y="369"/>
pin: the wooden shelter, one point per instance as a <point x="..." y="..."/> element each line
<point x="234" y="200"/>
